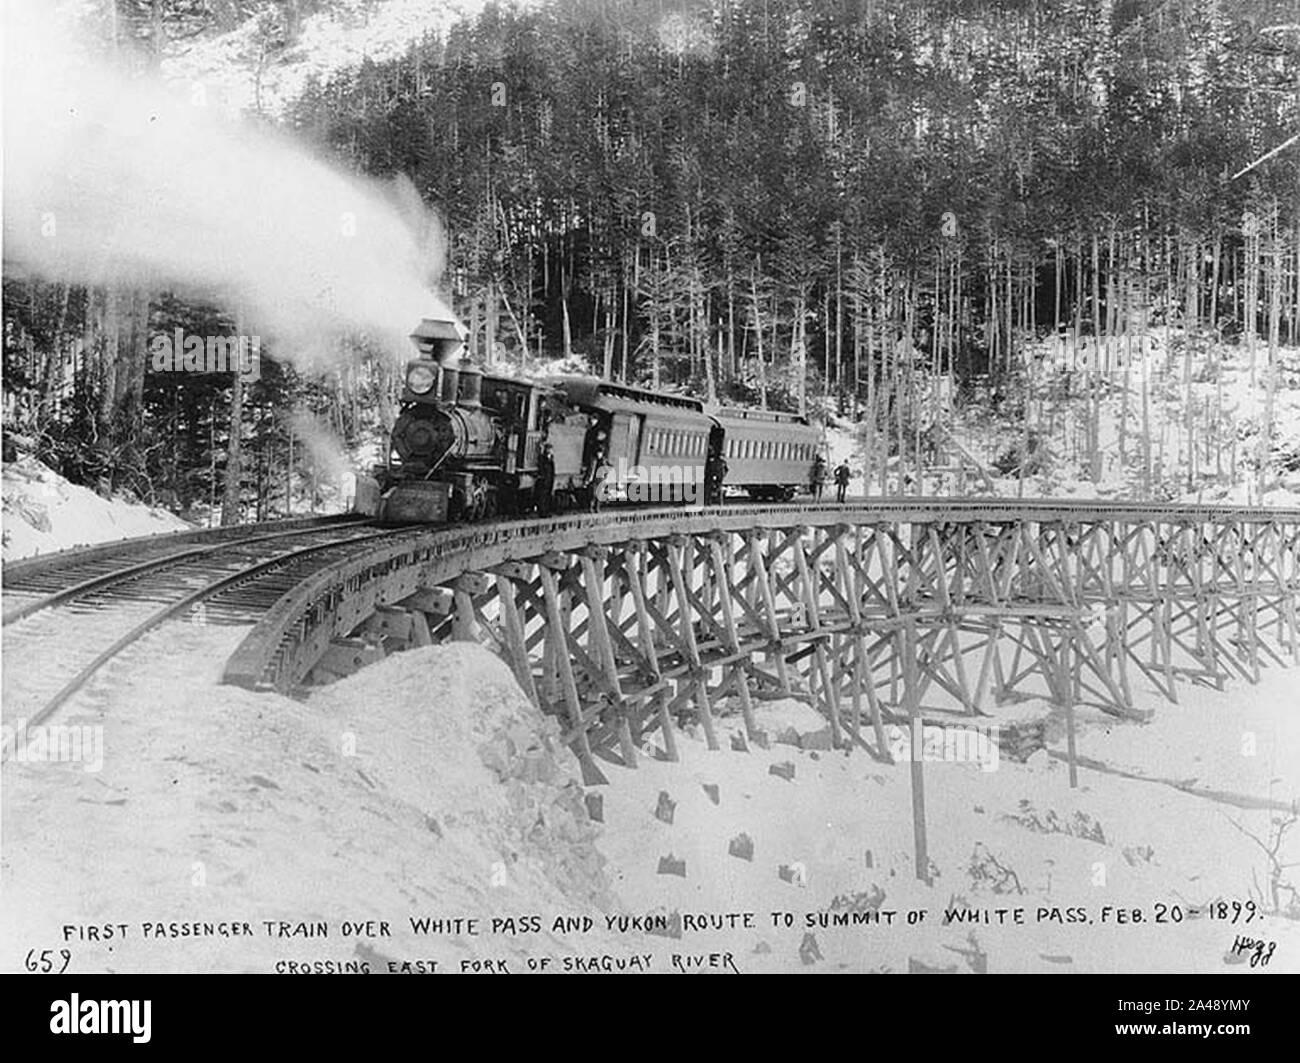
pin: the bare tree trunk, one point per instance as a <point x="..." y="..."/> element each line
<point x="1147" y="485"/>
<point x="758" y="336"/>
<point x="1094" y="429"/>
<point x="1214" y="283"/>
<point x="627" y="328"/>
<point x="1124" y="312"/>
<point x="490" y="312"/>
<point x="1078" y="302"/>
<point x="1251" y="253"/>
<point x="564" y="308"/>
<point x="731" y="327"/>
<point x="839" y="325"/>
<point x="702" y="331"/>
<point x="1274" y="321"/>
<point x="857" y="343"/>
<point x="231" y="510"/>
<point x="654" y="345"/>
<point x="108" y="356"/>
<point x="800" y="349"/>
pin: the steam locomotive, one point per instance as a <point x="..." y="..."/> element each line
<point x="469" y="445"/>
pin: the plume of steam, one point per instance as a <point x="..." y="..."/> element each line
<point x="116" y="179"/>
<point x="324" y="449"/>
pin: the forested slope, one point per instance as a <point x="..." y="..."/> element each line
<point x="875" y="206"/>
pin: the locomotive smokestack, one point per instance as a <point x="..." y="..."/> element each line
<point x="440" y="340"/>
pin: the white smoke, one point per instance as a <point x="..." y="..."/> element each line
<point x="323" y="448"/>
<point x="116" y="179"/>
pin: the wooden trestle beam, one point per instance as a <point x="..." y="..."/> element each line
<point x="626" y="642"/>
<point x="911" y="617"/>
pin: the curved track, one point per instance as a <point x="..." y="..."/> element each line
<point x="308" y="587"/>
<point x="47" y="580"/>
<point x="633" y="622"/>
<point x="288" y="640"/>
<point x="77" y="610"/>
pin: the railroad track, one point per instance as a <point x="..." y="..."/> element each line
<point x="629" y="623"/>
<point x="77" y="610"/>
<point x="279" y="653"/>
<point x="30" y="580"/>
<point x="93" y="603"/>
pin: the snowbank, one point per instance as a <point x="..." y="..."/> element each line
<point x="456" y="738"/>
<point x="44" y="512"/>
<point x="426" y="787"/>
<point x="421" y="788"/>
<point x="1167" y="813"/>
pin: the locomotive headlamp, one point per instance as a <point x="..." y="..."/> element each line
<point x="421" y="376"/>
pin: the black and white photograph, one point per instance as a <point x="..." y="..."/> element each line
<point x="653" y="487"/>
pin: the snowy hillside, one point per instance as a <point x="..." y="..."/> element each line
<point x="252" y="69"/>
<point x="44" y="512"/>
<point x="1180" y="420"/>
<point x="426" y="787"/>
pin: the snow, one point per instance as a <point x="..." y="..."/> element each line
<point x="1227" y="396"/>
<point x="424" y="786"/>
<point x="45" y="512"/>
<point x="332" y="43"/>
<point x="843" y="821"/>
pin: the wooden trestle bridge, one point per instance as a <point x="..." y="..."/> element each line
<point x="637" y="621"/>
<point x="631" y="623"/>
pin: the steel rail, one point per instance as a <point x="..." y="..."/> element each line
<point x="186" y="603"/>
<point x="26" y="568"/>
<point x="441" y="553"/>
<point x="131" y="572"/>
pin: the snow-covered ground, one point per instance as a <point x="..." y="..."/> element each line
<point x="426" y="787"/>
<point x="423" y="788"/>
<point x="835" y="836"/>
<point x="1202" y="400"/>
<point x="44" y="512"/>
<point x="332" y="43"/>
